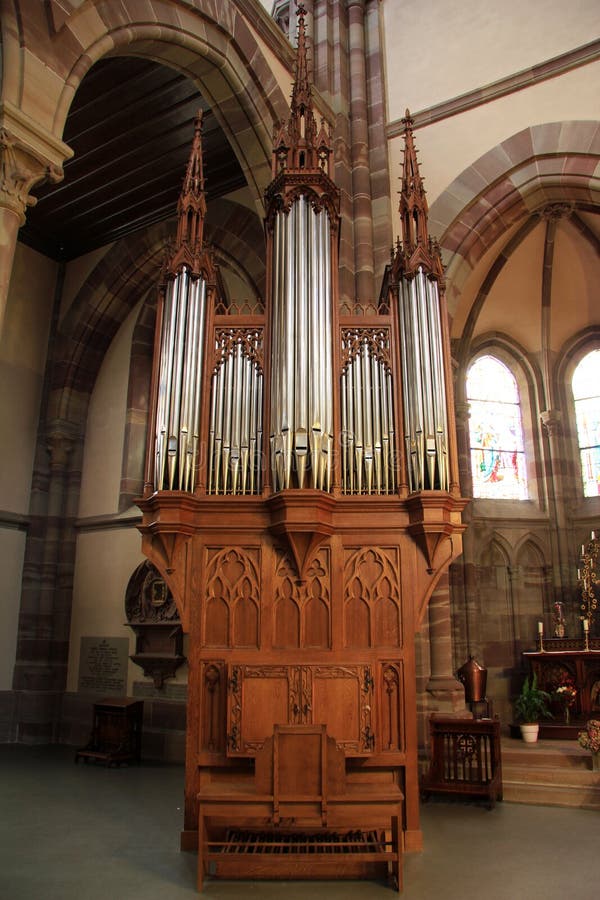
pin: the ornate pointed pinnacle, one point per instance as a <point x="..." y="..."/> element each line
<point x="301" y="96"/>
<point x="298" y="146"/>
<point x="191" y="207"/>
<point x="194" y="176"/>
<point x="413" y="204"/>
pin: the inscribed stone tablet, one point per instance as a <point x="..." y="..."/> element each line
<point x="103" y="665"/>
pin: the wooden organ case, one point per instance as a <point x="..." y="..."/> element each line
<point x="301" y="497"/>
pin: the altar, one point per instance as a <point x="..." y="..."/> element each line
<point x="567" y="660"/>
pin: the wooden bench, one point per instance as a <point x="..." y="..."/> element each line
<point x="300" y="818"/>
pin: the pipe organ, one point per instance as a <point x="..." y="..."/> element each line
<point x="301" y="502"/>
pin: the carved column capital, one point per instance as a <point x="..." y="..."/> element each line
<point x="60" y="446"/>
<point x="28" y="154"/>
<point x="20" y="170"/>
<point x="551" y="419"/>
<point x="462" y="411"/>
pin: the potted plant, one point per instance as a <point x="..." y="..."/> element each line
<point x="530" y="706"/>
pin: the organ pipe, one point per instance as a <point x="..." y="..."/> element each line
<point x="235" y="428"/>
<point x="301" y="436"/>
<point x="367" y="413"/>
<point x="418" y="276"/>
<point x="190" y="277"/>
<point x="180" y="368"/>
<point x="423" y="385"/>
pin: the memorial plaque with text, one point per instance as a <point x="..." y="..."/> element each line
<point x="103" y="665"/>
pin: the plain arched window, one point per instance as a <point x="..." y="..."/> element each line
<point x="496" y="433"/>
<point x="586" y="394"/>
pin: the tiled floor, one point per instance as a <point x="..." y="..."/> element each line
<point x="76" y="832"/>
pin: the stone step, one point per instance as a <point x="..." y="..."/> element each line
<point x="551" y="795"/>
<point x="551" y="773"/>
<point x="563" y="754"/>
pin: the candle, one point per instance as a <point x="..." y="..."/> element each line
<point x="540" y="627"/>
<point x="593" y="535"/>
<point x="586" y="624"/>
<point x="578" y="574"/>
<point x="583" y="549"/>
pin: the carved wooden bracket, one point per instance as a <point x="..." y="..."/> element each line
<point x="434" y="517"/>
<point x="305" y="520"/>
<point x="166" y="540"/>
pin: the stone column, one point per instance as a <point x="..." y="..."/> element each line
<point x="442" y="685"/>
<point x="361" y="179"/>
<point x="28" y="156"/>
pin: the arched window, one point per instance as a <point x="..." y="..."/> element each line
<point x="496" y="434"/>
<point x="586" y="394"/>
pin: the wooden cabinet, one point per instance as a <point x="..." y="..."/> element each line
<point x="116" y="733"/>
<point x="260" y="697"/>
<point x="465" y="758"/>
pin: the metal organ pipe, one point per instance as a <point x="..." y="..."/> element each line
<point x="367" y="413"/>
<point x="423" y="384"/>
<point x="234" y="464"/>
<point x="302" y="360"/>
<point x="180" y="372"/>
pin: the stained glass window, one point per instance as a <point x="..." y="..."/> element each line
<point x="586" y="393"/>
<point x="496" y="433"/>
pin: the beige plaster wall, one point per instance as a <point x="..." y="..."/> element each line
<point x="439" y="49"/>
<point x="23" y="352"/>
<point x="22" y="362"/>
<point x="103" y="455"/>
<point x="76" y="272"/>
<point x="448" y="147"/>
<point x="105" y="562"/>
<point x="12" y="550"/>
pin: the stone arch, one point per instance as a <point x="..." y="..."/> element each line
<point x="212" y="43"/>
<point x="551" y="163"/>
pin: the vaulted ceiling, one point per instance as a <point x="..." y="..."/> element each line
<point x="130" y="126"/>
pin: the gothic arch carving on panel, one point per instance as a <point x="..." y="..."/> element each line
<point x="372" y="613"/>
<point x="301" y="616"/>
<point x="391" y="723"/>
<point x="232" y="606"/>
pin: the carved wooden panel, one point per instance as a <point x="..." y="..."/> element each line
<point x="390" y="694"/>
<point x="232" y="609"/>
<point x="260" y="697"/>
<point x="372" y="610"/>
<point x="342" y="698"/>
<point x="214" y="698"/>
<point x="302" y="610"/>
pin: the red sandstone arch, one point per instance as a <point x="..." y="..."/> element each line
<point x="210" y="42"/>
<point x="551" y="163"/>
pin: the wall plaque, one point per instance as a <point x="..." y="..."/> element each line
<point x="103" y="665"/>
